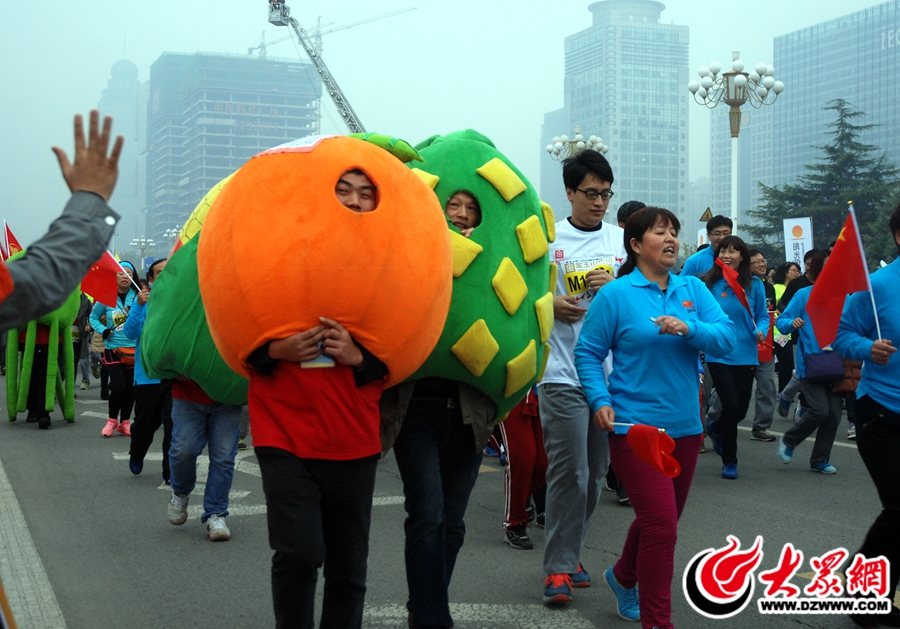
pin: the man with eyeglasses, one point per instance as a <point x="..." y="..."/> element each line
<point x="766" y="391"/>
<point x="588" y="253"/>
<point x="717" y="228"/>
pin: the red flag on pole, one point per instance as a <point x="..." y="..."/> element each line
<point x="846" y="272"/>
<point x="11" y="245"/>
<point x="654" y="447"/>
<point x="100" y="281"/>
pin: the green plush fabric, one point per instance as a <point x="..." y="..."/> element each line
<point x="176" y="340"/>
<point x="397" y="147"/>
<point x="466" y="347"/>
<point x="57" y="385"/>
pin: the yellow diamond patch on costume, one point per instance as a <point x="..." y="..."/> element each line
<point x="549" y="221"/>
<point x="464" y="251"/>
<point x="544" y="362"/>
<point x="428" y="178"/>
<point x="509" y="286"/>
<point x="554" y="271"/>
<point x="503" y="178"/>
<point x="476" y="348"/>
<point x="521" y="369"/>
<point x="531" y="239"/>
<point x="544" y="309"/>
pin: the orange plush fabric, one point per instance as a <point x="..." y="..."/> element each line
<point x="278" y="250"/>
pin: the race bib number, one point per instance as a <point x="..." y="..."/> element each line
<point x="575" y="272"/>
<point x="119" y="318"/>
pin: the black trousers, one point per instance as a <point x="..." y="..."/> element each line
<point x="37" y="392"/>
<point x="319" y="512"/>
<point x="878" y="440"/>
<point x="121" y="388"/>
<point x="734" y="384"/>
<point x="152" y="408"/>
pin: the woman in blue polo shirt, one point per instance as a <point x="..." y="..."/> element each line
<point x="655" y="324"/>
<point x="743" y="299"/>
<point x="823" y="406"/>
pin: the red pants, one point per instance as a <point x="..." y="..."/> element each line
<point x="526" y="469"/>
<point x="648" y="557"/>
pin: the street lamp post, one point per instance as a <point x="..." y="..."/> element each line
<point x="562" y="147"/>
<point x="734" y="89"/>
<point x="172" y="233"/>
<point x="143" y="244"/>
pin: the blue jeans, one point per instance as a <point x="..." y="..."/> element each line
<point x="195" y="425"/>
<point x="439" y="464"/>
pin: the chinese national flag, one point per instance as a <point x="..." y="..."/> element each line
<point x="845" y="272"/>
<point x="100" y="281"/>
<point x="11" y="244"/>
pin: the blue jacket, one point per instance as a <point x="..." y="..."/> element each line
<point x="699" y="263"/>
<point x="745" y="350"/>
<point x="857" y="333"/>
<point x="808" y="343"/>
<point x="115" y="320"/>
<point x="132" y="329"/>
<point x="654" y="379"/>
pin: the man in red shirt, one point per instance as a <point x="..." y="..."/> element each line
<point x="316" y="434"/>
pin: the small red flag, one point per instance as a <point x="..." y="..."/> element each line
<point x="11" y="245"/>
<point x="100" y="281"/>
<point x="731" y="278"/>
<point x="654" y="447"/>
<point x="846" y="272"/>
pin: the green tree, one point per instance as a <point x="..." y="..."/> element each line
<point x="847" y="171"/>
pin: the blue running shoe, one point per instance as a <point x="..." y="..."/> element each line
<point x="784" y="405"/>
<point x="135" y="466"/>
<point x="799" y="412"/>
<point x="784" y="453"/>
<point x="824" y="468"/>
<point x="558" y="588"/>
<point x="729" y="471"/>
<point x="489" y="451"/>
<point x="626" y="598"/>
<point x="581" y="579"/>
<point x="716" y="437"/>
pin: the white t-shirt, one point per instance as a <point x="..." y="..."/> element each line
<point x="576" y="252"/>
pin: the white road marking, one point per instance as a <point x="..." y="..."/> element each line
<point x="95" y="414"/>
<point x="471" y="616"/>
<point x="27" y="586"/>
<point x="811" y="439"/>
<point x="77" y="401"/>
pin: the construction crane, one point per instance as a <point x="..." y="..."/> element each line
<point x="318" y="32"/>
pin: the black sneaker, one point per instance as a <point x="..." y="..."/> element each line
<point x="530" y="510"/>
<point x="517" y="537"/>
<point x="540" y="519"/>
<point x="44" y="422"/>
<point x="622" y="496"/>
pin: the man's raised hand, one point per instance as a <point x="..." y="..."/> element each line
<point x="93" y="170"/>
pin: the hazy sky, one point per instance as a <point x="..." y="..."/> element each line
<point x="493" y="66"/>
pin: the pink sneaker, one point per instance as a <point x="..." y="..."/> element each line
<point x="109" y="428"/>
<point x="124" y="428"/>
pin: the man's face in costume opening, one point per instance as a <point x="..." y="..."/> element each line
<point x="356" y="191"/>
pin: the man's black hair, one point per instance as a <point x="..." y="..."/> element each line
<point x="718" y="221"/>
<point x="755" y="252"/>
<point x="627" y="209"/>
<point x="575" y="169"/>
<point x="809" y="254"/>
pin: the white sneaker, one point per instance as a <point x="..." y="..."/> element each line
<point x="216" y="529"/>
<point x="178" y="508"/>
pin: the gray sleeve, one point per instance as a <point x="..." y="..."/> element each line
<point x="54" y="265"/>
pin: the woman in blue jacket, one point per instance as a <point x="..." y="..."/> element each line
<point x="655" y="324"/>
<point x="878" y="410"/>
<point x="823" y="406"/>
<point x="744" y="302"/>
<point x="118" y="355"/>
<point x="152" y="398"/>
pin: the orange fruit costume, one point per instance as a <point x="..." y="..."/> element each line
<point x="279" y="250"/>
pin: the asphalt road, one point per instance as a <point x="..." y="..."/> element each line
<point x="84" y="544"/>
